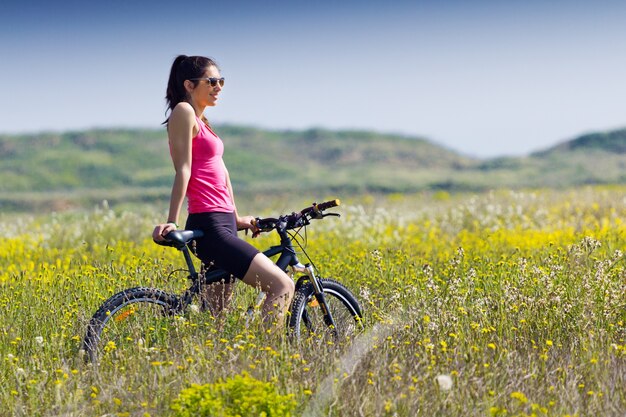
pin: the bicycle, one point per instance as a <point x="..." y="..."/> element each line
<point x="322" y="308"/>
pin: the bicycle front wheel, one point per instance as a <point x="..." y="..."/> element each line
<point x="307" y="318"/>
<point x="133" y="319"/>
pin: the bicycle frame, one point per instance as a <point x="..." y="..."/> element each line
<point x="287" y="258"/>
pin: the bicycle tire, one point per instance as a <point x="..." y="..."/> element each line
<point x="306" y="320"/>
<point x="126" y="318"/>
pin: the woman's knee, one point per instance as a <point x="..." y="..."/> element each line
<point x="287" y="285"/>
<point x="281" y="284"/>
<point x="264" y="273"/>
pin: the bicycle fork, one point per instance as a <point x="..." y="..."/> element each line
<point x="318" y="293"/>
<point x="319" y="296"/>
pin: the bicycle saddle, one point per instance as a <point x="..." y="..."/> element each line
<point x="180" y="238"/>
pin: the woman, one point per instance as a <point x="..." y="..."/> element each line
<point x="195" y="84"/>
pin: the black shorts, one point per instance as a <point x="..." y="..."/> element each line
<point x="220" y="246"/>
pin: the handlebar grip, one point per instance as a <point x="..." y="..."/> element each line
<point x="329" y="204"/>
<point x="266" y="224"/>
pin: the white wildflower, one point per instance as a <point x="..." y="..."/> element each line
<point x="444" y="382"/>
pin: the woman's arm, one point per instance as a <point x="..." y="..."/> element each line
<point x="180" y="130"/>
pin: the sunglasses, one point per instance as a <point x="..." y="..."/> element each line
<point x="212" y="81"/>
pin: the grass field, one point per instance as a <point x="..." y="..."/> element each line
<point x="496" y="304"/>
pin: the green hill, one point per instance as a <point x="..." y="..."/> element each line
<point x="324" y="159"/>
<point x="52" y="170"/>
<point x="595" y="158"/>
<point x="611" y="141"/>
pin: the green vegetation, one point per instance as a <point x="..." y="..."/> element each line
<point x="43" y="171"/>
<point x="611" y="141"/>
<point x="241" y="395"/>
<point x="506" y="303"/>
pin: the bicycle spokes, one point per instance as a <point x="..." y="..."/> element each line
<point x="138" y="325"/>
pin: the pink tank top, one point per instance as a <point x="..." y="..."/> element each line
<point x="207" y="190"/>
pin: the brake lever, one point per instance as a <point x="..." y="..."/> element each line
<point x="331" y="214"/>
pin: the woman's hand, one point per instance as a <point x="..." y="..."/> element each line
<point x="161" y="230"/>
<point x="247" y="223"/>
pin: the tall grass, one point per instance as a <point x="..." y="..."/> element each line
<point x="503" y="303"/>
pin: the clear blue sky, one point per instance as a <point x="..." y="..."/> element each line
<point x="484" y="78"/>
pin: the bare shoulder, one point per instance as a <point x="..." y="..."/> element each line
<point x="182" y="121"/>
<point x="183" y="110"/>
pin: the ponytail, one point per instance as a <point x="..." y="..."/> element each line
<point x="184" y="68"/>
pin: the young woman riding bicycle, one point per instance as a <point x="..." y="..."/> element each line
<point x="194" y="84"/>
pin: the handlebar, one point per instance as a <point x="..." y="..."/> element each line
<point x="297" y="219"/>
<point x="180" y="238"/>
<point x="319" y="208"/>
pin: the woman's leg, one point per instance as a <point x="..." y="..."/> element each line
<point x="269" y="278"/>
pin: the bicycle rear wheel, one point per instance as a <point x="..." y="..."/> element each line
<point x="307" y="318"/>
<point x="133" y="319"/>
